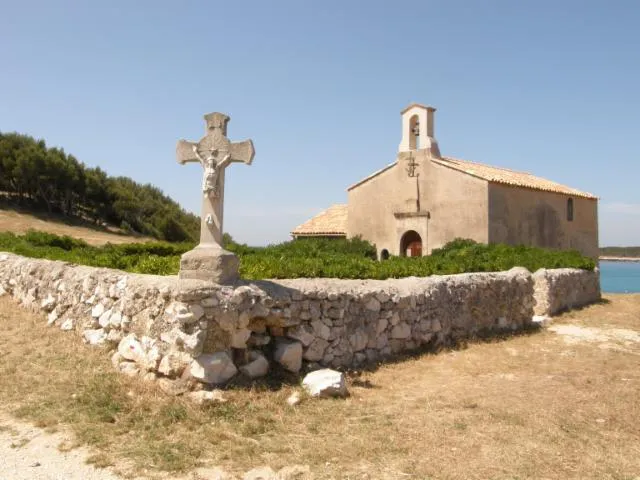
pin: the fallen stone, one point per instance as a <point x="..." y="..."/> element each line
<point x="260" y="473"/>
<point x="258" y="366"/>
<point x="214" y="368"/>
<point x="95" y="336"/>
<point x="174" y="363"/>
<point x="204" y="397"/>
<point x="130" y="348"/>
<point x="97" y="310"/>
<point x="325" y="383"/>
<point x="67" y="325"/>
<point x="289" y="355"/>
<point x="173" y="387"/>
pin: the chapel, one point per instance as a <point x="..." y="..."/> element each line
<point x="424" y="199"/>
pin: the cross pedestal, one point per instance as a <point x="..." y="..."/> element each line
<point x="209" y="261"/>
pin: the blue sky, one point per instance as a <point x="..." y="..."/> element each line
<point x="549" y="87"/>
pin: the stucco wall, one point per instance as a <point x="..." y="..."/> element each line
<point x="536" y="218"/>
<point x="383" y="208"/>
<point x="191" y="331"/>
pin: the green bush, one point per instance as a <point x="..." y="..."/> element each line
<point x="312" y="257"/>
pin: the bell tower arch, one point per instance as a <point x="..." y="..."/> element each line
<point x="418" y="129"/>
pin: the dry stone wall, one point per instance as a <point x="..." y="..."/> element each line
<point x="189" y="332"/>
<point x="562" y="289"/>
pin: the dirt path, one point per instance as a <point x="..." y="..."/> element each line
<point x="28" y="453"/>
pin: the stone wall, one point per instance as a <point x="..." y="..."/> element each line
<point x="562" y="289"/>
<point x="183" y="331"/>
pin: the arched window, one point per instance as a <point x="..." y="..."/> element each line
<point x="570" y="209"/>
<point x="414" y="133"/>
<point x="384" y="254"/>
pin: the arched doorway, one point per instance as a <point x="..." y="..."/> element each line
<point x="411" y="244"/>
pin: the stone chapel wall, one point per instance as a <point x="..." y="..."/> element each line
<point x="190" y="330"/>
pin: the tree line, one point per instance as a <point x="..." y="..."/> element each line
<point x="38" y="177"/>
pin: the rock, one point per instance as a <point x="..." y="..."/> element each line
<point x="401" y="331"/>
<point x="215" y="368"/>
<point x="289" y="355"/>
<point x="95" y="337"/>
<point x="258" y="340"/>
<point x="294" y="472"/>
<point x="104" y="318"/>
<point x="115" y="319"/>
<point x="542" y="320"/>
<point x="204" y="397"/>
<point x="436" y="326"/>
<point x="325" y="383"/>
<point x="294" y="399"/>
<point x="260" y="473"/>
<point x="373" y="305"/>
<point x="303" y="333"/>
<point x="130" y="348"/>
<point x="115" y="336"/>
<point x="174" y="363"/>
<point x="321" y="330"/>
<point x="97" y="310"/>
<point x="49" y="303"/>
<point x="258" y="366"/>
<point x="3" y="292"/>
<point x="51" y="318"/>
<point x="381" y="325"/>
<point x="129" y="368"/>
<point x="67" y="325"/>
<point x="358" y="340"/>
<point x="239" y="338"/>
<point x="193" y="343"/>
<point x="315" y="351"/>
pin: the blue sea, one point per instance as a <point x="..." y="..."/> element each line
<point x="620" y="277"/>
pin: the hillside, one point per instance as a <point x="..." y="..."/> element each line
<point x="620" y="252"/>
<point x="37" y="178"/>
<point x="21" y="222"/>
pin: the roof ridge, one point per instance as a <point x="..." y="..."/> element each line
<point x="487" y="165"/>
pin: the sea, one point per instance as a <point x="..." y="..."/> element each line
<point x="620" y="277"/>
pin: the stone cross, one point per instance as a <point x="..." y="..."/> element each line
<point x="214" y="151"/>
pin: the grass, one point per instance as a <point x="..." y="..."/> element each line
<point x="532" y="406"/>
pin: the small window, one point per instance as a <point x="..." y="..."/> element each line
<point x="384" y="254"/>
<point x="570" y="210"/>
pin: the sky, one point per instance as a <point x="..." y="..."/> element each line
<point x="550" y="87"/>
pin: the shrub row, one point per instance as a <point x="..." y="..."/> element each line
<point x="328" y="258"/>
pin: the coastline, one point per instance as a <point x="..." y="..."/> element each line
<point x="619" y="259"/>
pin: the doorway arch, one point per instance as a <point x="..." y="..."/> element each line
<point x="411" y="244"/>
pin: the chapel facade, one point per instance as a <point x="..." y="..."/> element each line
<point x="423" y="200"/>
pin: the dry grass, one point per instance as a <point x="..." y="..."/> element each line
<point x="529" y="407"/>
<point x="20" y="222"/>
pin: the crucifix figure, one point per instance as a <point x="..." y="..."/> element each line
<point x="208" y="261"/>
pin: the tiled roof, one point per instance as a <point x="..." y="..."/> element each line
<point x="509" y="177"/>
<point x="331" y="222"/>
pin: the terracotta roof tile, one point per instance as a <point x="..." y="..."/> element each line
<point x="333" y="221"/>
<point x="509" y="177"/>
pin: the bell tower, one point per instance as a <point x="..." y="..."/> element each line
<point x="418" y="129"/>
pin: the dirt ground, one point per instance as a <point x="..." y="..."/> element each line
<point x="20" y="222"/>
<point x="561" y="403"/>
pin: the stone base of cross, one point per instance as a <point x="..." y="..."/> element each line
<point x="209" y="261"/>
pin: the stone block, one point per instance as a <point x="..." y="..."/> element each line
<point x="211" y="264"/>
<point x="258" y="366"/>
<point x="214" y="368"/>
<point x="289" y="355"/>
<point x="325" y="383"/>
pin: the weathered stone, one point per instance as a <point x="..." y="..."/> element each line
<point x="321" y="330"/>
<point x="315" y="351"/>
<point x="373" y="304"/>
<point x="258" y="340"/>
<point x="239" y="338"/>
<point x="400" y="331"/>
<point x="104" y="318"/>
<point x="436" y="326"/>
<point x="115" y="320"/>
<point x="130" y="348"/>
<point x="395" y="319"/>
<point x="325" y="383"/>
<point x="381" y="325"/>
<point x="174" y="363"/>
<point x="209" y="263"/>
<point x="214" y="473"/>
<point x="52" y="317"/>
<point x="358" y="340"/>
<point x="258" y="366"/>
<point x="294" y="472"/>
<point x="115" y="336"/>
<point x="95" y="336"/>
<point x="3" y="292"/>
<point x="205" y="397"/>
<point x="173" y="387"/>
<point x="294" y="399"/>
<point x="214" y="368"/>
<point x="49" y="303"/>
<point x="67" y="325"/>
<point x="97" y="310"/>
<point x="303" y="333"/>
<point x="289" y="355"/>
